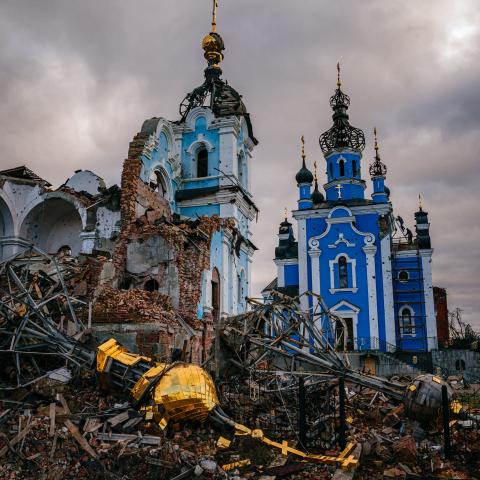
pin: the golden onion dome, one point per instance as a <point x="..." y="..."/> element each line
<point x="213" y="46"/>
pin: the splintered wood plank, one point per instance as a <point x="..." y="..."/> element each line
<point x="52" y="419"/>
<point x="78" y="437"/>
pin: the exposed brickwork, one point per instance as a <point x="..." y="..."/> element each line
<point x="441" y="309"/>
<point x="145" y="213"/>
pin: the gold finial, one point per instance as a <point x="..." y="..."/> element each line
<point x="303" y="147"/>
<point x="420" y="203"/>
<point x="376" y="141"/>
<point x="339" y="83"/>
<point x="214" y="16"/>
<point x="315" y="170"/>
<point x="212" y="43"/>
<point x="285" y="213"/>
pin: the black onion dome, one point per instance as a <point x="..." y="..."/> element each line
<point x="341" y="134"/>
<point x="304" y="175"/>
<point x="217" y="94"/>
<point x="377" y="168"/>
<point x="317" y="196"/>
<point x="284" y="227"/>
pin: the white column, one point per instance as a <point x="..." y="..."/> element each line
<point x="370" y="251"/>
<point x="388" y="303"/>
<point x="228" y="153"/>
<point x="315" y="259"/>
<point x="302" y="262"/>
<point x="280" y="273"/>
<point x="88" y="241"/>
<point x="431" y="321"/>
<point x="225" y="285"/>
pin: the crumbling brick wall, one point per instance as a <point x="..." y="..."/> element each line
<point x="145" y="213"/>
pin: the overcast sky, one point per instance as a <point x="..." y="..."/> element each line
<point x="77" y="79"/>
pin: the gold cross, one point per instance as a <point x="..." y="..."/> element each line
<point x="339" y="190"/>
<point x="214" y="16"/>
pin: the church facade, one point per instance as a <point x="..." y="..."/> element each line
<point x="372" y="272"/>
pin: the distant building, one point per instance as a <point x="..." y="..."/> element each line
<point x="368" y="267"/>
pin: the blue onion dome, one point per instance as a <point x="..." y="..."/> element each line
<point x="317" y="196"/>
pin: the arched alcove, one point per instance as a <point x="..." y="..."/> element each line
<point x="52" y="225"/>
<point x="215" y="295"/>
<point x="6" y="224"/>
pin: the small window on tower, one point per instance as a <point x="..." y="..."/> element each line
<point x="202" y="163"/>
<point x="354" y="168"/>
<point x="342" y="167"/>
<point x="342" y="273"/>
<point x="403" y="276"/>
<point x="331" y="170"/>
<point x="406" y="322"/>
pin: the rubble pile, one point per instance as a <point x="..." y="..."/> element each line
<point x="134" y="305"/>
<point x="395" y="446"/>
<point x="68" y="432"/>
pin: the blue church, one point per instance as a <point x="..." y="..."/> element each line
<point x="371" y="271"/>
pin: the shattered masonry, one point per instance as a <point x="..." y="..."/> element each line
<point x="134" y="244"/>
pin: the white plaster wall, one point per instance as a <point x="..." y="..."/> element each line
<point x="86" y="181"/>
<point x="107" y="222"/>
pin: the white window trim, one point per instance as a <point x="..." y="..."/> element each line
<point x="412" y="316"/>
<point x="351" y="313"/>
<point x="353" y="263"/>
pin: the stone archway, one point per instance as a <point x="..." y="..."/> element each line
<point x="52" y="225"/>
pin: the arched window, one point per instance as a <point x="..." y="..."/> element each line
<point x="354" y="168"/>
<point x="406" y="322"/>
<point x="342" y="273"/>
<point x="158" y="183"/>
<point x="331" y="170"/>
<point x="215" y="294"/>
<point x="202" y="163"/>
<point x="242" y="176"/>
<point x="151" y="285"/>
<point x="342" y="167"/>
<point x="403" y="276"/>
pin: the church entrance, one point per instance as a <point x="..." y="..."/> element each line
<point x="344" y="339"/>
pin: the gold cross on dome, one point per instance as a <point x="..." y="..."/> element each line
<point x="214" y="16"/>
<point x="339" y="190"/>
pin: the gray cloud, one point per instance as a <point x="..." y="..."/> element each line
<point x="78" y="78"/>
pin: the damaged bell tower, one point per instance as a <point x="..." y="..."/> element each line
<point x="169" y="252"/>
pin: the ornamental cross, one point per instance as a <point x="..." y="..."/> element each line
<point x="339" y="190"/>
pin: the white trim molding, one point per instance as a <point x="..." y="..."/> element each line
<point x="370" y="251"/>
<point x="341" y="239"/>
<point x="352" y="313"/>
<point x="316" y="274"/>
<point x="388" y="303"/>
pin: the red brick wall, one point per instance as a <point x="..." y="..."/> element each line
<point x="441" y="307"/>
<point x="190" y="242"/>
